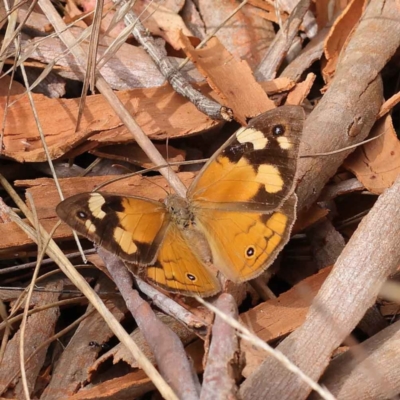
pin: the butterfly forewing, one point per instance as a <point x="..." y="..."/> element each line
<point x="130" y="227"/>
<point x="255" y="169"/>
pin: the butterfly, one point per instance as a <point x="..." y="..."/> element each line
<point x="237" y="215"/>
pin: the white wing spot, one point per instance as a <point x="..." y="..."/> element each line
<point x="257" y="138"/>
<point x="284" y="143"/>
<point x="96" y="200"/>
<point x="124" y="239"/>
<point x="270" y="177"/>
<point x="90" y="226"/>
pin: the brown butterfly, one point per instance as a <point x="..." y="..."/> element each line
<point x="235" y="219"/>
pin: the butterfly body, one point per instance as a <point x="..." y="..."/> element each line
<point x="236" y="217"/>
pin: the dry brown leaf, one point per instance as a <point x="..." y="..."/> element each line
<point x="377" y="163"/>
<point x="232" y="80"/>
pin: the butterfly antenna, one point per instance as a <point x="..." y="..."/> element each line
<point x="167" y="152"/>
<point x="156" y="184"/>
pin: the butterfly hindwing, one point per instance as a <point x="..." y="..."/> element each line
<point x="244" y="244"/>
<point x="178" y="269"/>
<point x="255" y="168"/>
<point x="130" y="227"/>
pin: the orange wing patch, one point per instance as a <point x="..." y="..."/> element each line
<point x="179" y="270"/>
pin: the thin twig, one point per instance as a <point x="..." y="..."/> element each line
<point x="172" y="73"/>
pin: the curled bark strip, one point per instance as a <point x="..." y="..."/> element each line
<point x="165" y="345"/>
<point x="351" y="104"/>
<point x="345" y="296"/>
<point x="223" y="357"/>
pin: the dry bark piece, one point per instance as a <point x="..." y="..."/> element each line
<point x="333" y="125"/>
<point x="377" y="164"/>
<point x="297" y="95"/>
<point x="348" y="292"/>
<point x="339" y="35"/>
<point x="366" y="371"/>
<point x="129" y="386"/>
<point x="160" y="112"/>
<point x="276" y="318"/>
<point x="231" y="80"/>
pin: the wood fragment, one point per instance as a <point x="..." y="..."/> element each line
<point x="367" y="371"/>
<point x="269" y="65"/>
<point x="301" y="90"/>
<point x="223" y="362"/>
